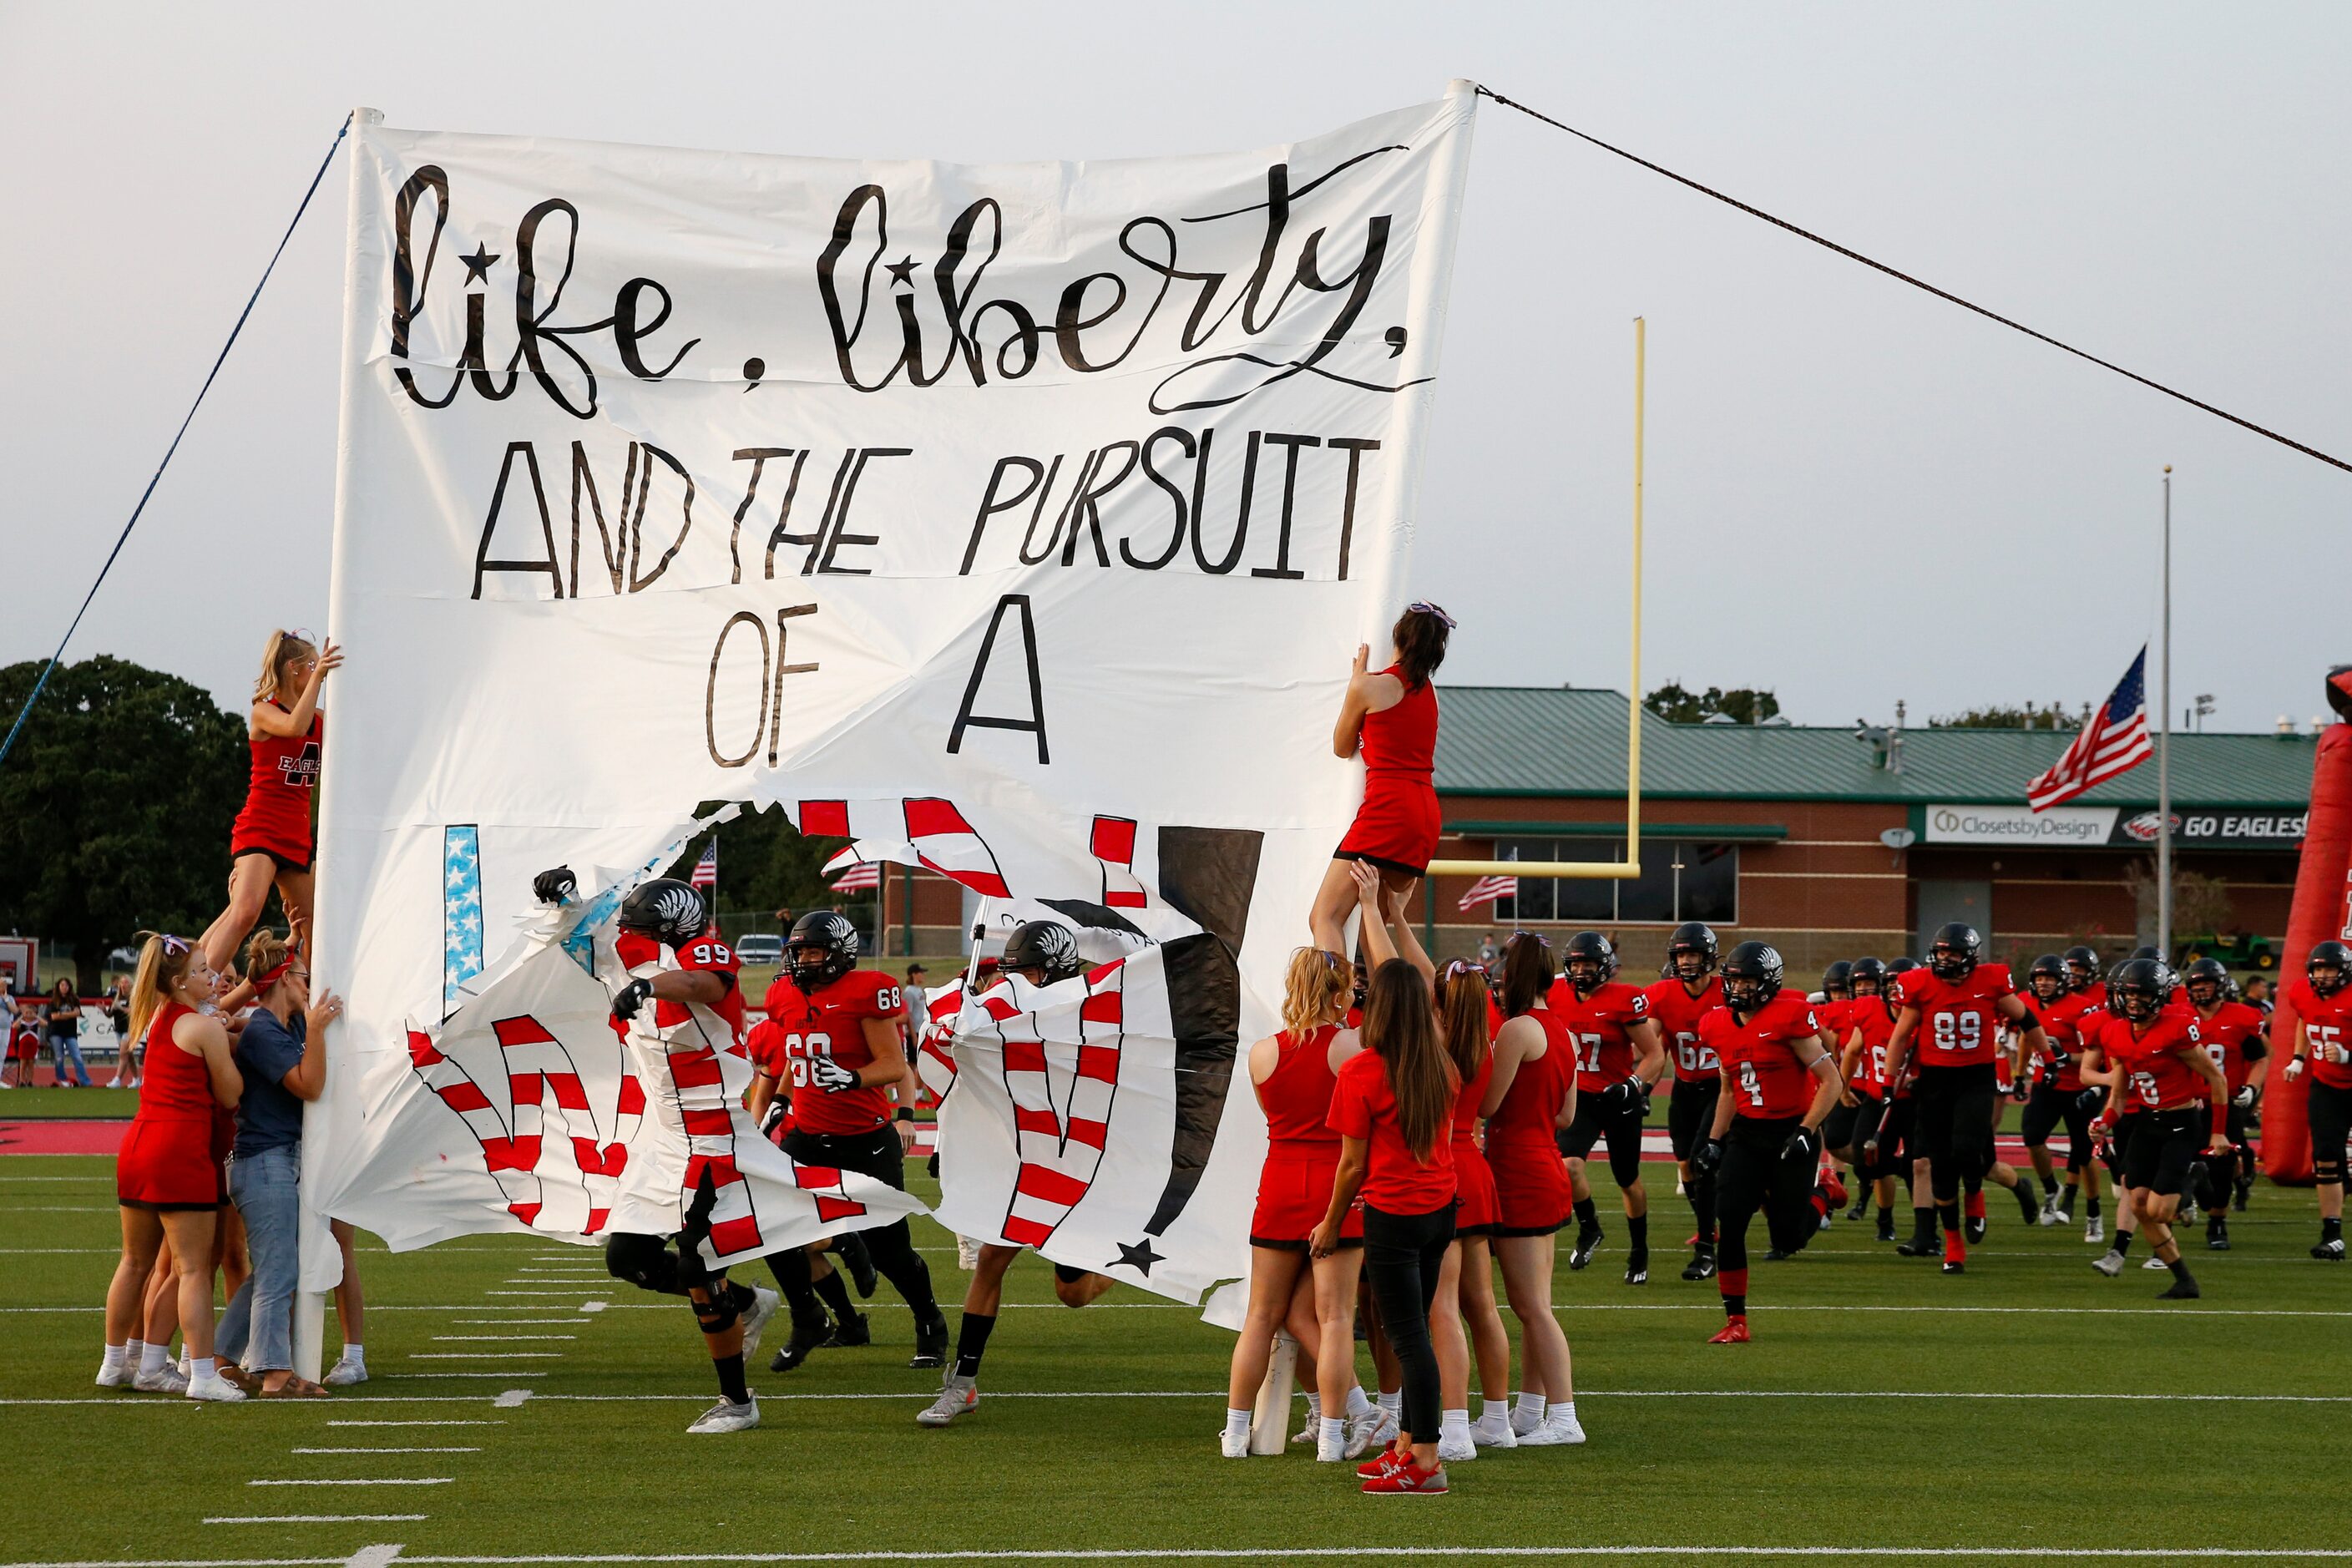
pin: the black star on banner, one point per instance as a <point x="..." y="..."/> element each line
<point x="1140" y="1257"/>
<point x="478" y="265"/>
<point x="902" y="272"/>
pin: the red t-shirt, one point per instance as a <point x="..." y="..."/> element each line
<point x="832" y="1024"/>
<point x="1362" y="1106"/>
<point x="1958" y="1021"/>
<point x="2226" y="1033"/>
<point x="1600" y="1025"/>
<point x="1759" y="1056"/>
<point x="2328" y="1021"/>
<point x="1678" y="1013"/>
<point x="1870" y="1015"/>
<point x="2154" y="1077"/>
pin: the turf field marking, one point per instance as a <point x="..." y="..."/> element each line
<point x="384" y="1450"/>
<point x="415" y="1423"/>
<point x="484" y="1338"/>
<point x="513" y="1397"/>
<point x="383" y="1556"/>
<point x="482" y="1355"/>
<point x="512" y="1323"/>
<point x="372" y="1481"/>
<point x="594" y="1306"/>
<point x="423" y="1373"/>
<point x="294" y="1518"/>
<point x="372" y="1557"/>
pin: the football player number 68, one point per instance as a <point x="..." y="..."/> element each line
<point x="799" y="1048"/>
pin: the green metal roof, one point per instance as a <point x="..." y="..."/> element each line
<point x="1570" y="741"/>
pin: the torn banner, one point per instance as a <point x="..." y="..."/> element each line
<point x="1021" y="515"/>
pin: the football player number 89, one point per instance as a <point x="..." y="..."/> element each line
<point x="1957" y="1031"/>
<point x="799" y="1048"/>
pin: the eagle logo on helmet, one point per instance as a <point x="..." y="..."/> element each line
<point x="1042" y="944"/>
<point x="667" y="908"/>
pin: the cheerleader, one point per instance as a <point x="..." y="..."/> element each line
<point x="1466" y="1324"/>
<point x="271" y="841"/>
<point x="1530" y="1098"/>
<point x="1390" y="715"/>
<point x="166" y="1178"/>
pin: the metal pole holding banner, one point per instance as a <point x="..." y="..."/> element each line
<point x="2164" y="744"/>
<point x="1603" y="870"/>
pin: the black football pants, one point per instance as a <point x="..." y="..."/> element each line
<point x="892" y="1247"/>
<point x="1953" y="1113"/>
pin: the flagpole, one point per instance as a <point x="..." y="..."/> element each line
<point x="2164" y="746"/>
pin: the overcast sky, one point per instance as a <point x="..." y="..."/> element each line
<point x="1856" y="492"/>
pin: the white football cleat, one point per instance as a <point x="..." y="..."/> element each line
<point x="2095" y="1232"/>
<point x="765" y="1303"/>
<point x="957" y="1396"/>
<point x="2155" y="1263"/>
<point x="345" y="1372"/>
<point x="1494" y="1433"/>
<point x="726" y="1416"/>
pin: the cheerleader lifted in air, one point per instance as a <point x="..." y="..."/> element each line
<point x="1390" y="716"/>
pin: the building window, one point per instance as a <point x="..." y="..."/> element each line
<point x="1680" y="880"/>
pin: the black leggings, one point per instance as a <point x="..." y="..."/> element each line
<point x="1690" y="1115"/>
<point x="892" y="1247"/>
<point x="1402" y="1253"/>
<point x="1954" y="1111"/>
<point x="1755" y="1177"/>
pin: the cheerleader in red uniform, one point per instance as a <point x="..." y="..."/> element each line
<point x="271" y="842"/>
<point x="1530" y="1097"/>
<point x="1390" y="716"/>
<point x="166" y="1178"/>
<point x="1463" y="1320"/>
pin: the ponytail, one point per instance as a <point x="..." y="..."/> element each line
<point x="1526" y="972"/>
<point x="1400" y="1028"/>
<point x="163" y="961"/>
<point x="1462" y="1003"/>
<point x="283" y="649"/>
<point x="1315" y="990"/>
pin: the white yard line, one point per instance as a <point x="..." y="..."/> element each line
<point x="415" y="1423"/>
<point x="372" y="1481"/>
<point x="441" y="1450"/>
<point x="489" y="1339"/>
<point x="387" y="1555"/>
<point x="482" y="1355"/>
<point x="307" y="1519"/>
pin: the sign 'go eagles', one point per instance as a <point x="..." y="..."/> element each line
<point x="1016" y="520"/>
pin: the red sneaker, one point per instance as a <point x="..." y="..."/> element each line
<point x="1734" y="1331"/>
<point x="1833" y="1189"/>
<point x="1379" y="1464"/>
<point x="1411" y="1478"/>
<point x="1956" y="1253"/>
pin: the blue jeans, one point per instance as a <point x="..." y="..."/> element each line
<point x="65" y="1048"/>
<point x="266" y="1189"/>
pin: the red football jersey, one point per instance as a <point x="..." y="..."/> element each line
<point x="643" y="956"/>
<point x="831" y="1025"/>
<point x="1599" y="1023"/>
<point x="1958" y="1021"/>
<point x="1678" y="1013"/>
<point x="2328" y="1021"/>
<point x="2226" y="1033"/>
<point x="1870" y="1015"/>
<point x="1759" y="1056"/>
<point x="2059" y="1064"/>
<point x="2154" y="1078"/>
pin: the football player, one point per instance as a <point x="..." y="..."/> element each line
<point x="843" y="1057"/>
<point x="1779" y="1083"/>
<point x="1686" y="992"/>
<point x="2323" y="1047"/>
<point x="675" y="965"/>
<point x="1042" y="952"/>
<point x="1880" y="1117"/>
<point x="1949" y="1016"/>
<point x="1618" y="1060"/>
<point x="1835" y="1011"/>
<point x="765" y="1046"/>
<point x="2059" y="1094"/>
<point x="2234" y="1034"/>
<point x="2157" y="1064"/>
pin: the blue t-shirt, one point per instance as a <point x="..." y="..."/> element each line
<point x="269" y="1115"/>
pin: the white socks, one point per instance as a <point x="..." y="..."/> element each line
<point x="1394" y="1404"/>
<point x="1331" y="1438"/>
<point x="355" y="1354"/>
<point x="153" y="1359"/>
<point x="1356" y="1404"/>
<point x="1313" y="1409"/>
<point x="1531" y="1405"/>
<point x="1234" y="1441"/>
<point x="1236" y="1423"/>
<point x="111" y="1362"/>
<point x="1491" y="1410"/>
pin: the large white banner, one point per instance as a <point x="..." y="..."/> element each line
<point x="1018" y="521"/>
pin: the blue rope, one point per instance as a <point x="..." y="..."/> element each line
<point x="50" y="668"/>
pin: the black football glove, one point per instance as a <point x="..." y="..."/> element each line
<point x="1803" y="1147"/>
<point x="554" y="887"/>
<point x="830" y="1076"/>
<point x="2020" y="1090"/>
<point x="1707" y="1158"/>
<point x="773" y="1117"/>
<point x="1621" y="1097"/>
<point x="631" y="997"/>
<point x="2090" y="1098"/>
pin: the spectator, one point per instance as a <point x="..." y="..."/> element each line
<point x="65" y="1035"/>
<point x="126" y="1049"/>
<point x="1487" y="948"/>
<point x="282" y="1056"/>
<point x="917" y="1000"/>
<point x="24" y="1026"/>
<point x="2258" y="993"/>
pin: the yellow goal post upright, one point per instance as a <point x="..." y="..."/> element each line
<point x="1631" y="866"/>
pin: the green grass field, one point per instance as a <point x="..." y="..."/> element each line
<point x="2029" y="1408"/>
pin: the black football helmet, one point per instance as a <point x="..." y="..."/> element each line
<point x="2083" y="964"/>
<point x="2139" y="988"/>
<point x="2149" y="951"/>
<point x="2330" y="955"/>
<point x="2054" y="969"/>
<point x="822" y="949"/>
<point x="1752" y="976"/>
<point x="1953" y="954"/>
<point x="1837" y="981"/>
<point x="1695" y="939"/>
<point x="2207" y="980"/>
<point x="1901" y="966"/>
<point x="665" y="908"/>
<point x="1042" y="944"/>
<point x="1589" y="961"/>
<point x="1867" y="971"/>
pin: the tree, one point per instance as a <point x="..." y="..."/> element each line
<point x="115" y="806"/>
<point x="764" y="863"/>
<point x="1742" y="704"/>
<point x="2031" y="716"/>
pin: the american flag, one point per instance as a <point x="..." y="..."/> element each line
<point x="2115" y="740"/>
<point x="1487" y="889"/>
<point x="862" y="878"/>
<point x="706" y="871"/>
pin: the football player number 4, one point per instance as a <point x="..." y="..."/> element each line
<point x="1957" y="1031"/>
<point x="1750" y="1085"/>
<point x="799" y="1048"/>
